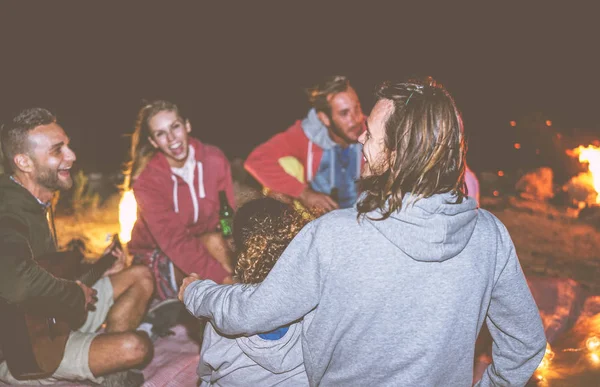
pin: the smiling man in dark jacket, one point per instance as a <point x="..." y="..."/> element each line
<point x="38" y="158"/>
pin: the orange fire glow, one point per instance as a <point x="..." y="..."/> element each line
<point x="592" y="343"/>
<point x="542" y="369"/>
<point x="127" y="215"/>
<point x="590" y="155"/>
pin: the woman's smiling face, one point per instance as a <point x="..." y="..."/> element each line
<point x="169" y="134"/>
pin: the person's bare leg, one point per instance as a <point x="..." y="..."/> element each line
<point x="132" y="289"/>
<point x="112" y="352"/>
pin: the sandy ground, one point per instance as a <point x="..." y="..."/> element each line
<point x="551" y="241"/>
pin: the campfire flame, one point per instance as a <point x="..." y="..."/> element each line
<point x="590" y="155"/>
<point x="127" y="215"/>
<point x="593" y="345"/>
<point x="545" y="363"/>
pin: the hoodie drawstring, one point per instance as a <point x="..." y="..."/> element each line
<point x="175" y="201"/>
<point x="309" y="162"/>
<point x="190" y="184"/>
<point x="332" y="168"/>
<point x="358" y="161"/>
<point x="201" y="180"/>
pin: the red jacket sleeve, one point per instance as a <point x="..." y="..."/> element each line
<point x="263" y="161"/>
<point x="172" y="237"/>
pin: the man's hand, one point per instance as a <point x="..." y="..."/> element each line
<point x="219" y="248"/>
<point x="116" y="251"/>
<point x="316" y="200"/>
<point x="186" y="281"/>
<point x="90" y="296"/>
<point x="280" y="197"/>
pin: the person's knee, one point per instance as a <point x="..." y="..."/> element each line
<point x="137" y="347"/>
<point x="143" y="278"/>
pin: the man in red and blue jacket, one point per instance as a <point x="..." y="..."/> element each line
<point x="318" y="159"/>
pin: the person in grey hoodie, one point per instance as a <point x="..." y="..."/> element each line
<point x="262" y="230"/>
<point x="396" y="290"/>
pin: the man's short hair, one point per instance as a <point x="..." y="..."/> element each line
<point x="317" y="95"/>
<point x="13" y="137"/>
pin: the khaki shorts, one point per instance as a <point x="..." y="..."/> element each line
<point x="75" y="363"/>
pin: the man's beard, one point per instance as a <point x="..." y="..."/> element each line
<point x="340" y="133"/>
<point x="48" y="178"/>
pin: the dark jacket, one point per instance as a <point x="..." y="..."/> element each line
<point x="24" y="237"/>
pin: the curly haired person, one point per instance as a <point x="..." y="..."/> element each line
<point x="262" y="229"/>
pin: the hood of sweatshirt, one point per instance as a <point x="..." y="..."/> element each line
<point x="277" y="356"/>
<point x="432" y="229"/>
<point x="15" y="198"/>
<point x="316" y="131"/>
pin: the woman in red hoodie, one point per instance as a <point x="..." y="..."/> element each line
<point x="176" y="182"/>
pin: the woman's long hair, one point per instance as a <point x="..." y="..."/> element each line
<point x="425" y="148"/>
<point x="141" y="149"/>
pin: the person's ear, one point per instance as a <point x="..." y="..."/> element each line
<point x="188" y="126"/>
<point x="154" y="144"/>
<point x="324" y="118"/>
<point x="23" y="162"/>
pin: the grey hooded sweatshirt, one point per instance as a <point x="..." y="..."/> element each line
<point x="252" y="361"/>
<point x="397" y="302"/>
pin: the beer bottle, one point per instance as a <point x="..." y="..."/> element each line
<point x="225" y="215"/>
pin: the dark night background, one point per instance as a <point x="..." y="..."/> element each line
<point x="239" y="69"/>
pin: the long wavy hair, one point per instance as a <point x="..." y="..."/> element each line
<point x="424" y="148"/>
<point x="141" y="150"/>
<point x="262" y="229"/>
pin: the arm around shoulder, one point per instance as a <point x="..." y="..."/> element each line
<point x="290" y="291"/>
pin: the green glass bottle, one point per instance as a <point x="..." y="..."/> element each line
<point x="225" y="215"/>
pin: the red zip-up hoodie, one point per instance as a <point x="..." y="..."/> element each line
<point x="166" y="210"/>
